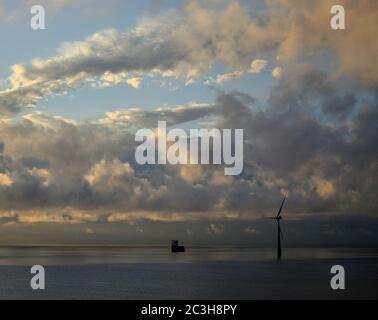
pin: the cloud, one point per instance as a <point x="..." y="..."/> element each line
<point x="47" y="121"/>
<point x="220" y="78"/>
<point x="89" y="231"/>
<point x="134" y="82"/>
<point x="258" y="65"/>
<point x="277" y="72"/>
<point x="314" y="137"/>
<point x="323" y="187"/>
<point x="215" y="229"/>
<point x="107" y="172"/>
<point x="142" y="118"/>
<point x="8" y="218"/>
<point x="185" y="43"/>
<point x="251" y="231"/>
<point x="51" y="164"/>
<point x="5" y="180"/>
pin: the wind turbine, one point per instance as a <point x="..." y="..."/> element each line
<point x="278" y="218"/>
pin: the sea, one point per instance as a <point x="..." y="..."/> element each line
<point x="154" y="273"/>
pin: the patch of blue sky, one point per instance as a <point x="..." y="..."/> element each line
<point x="90" y="103"/>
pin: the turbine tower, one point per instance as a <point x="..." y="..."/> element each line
<point x="278" y="218"/>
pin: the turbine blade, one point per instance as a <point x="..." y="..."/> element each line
<point x="279" y="211"/>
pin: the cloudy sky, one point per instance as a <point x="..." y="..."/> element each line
<point x="72" y="97"/>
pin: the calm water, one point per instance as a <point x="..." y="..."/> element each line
<point x="200" y="273"/>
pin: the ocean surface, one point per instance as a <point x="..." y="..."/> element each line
<point x="200" y="273"/>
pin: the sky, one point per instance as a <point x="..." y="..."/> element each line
<point x="73" y="95"/>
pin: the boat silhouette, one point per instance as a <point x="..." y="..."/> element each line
<point x="175" y="246"/>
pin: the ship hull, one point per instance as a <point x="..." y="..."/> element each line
<point x="178" y="249"/>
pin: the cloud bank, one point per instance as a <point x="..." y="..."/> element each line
<point x="313" y="135"/>
<point x="52" y="163"/>
<point x="188" y="42"/>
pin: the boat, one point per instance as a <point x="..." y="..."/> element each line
<point x="175" y="247"/>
